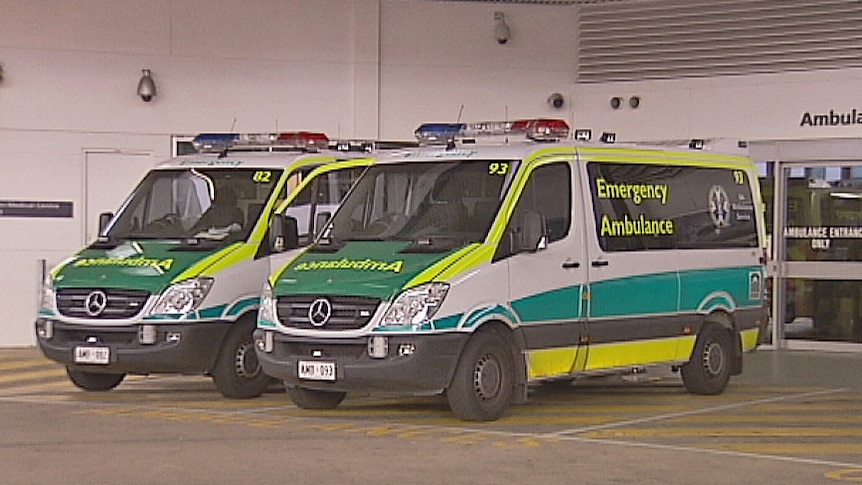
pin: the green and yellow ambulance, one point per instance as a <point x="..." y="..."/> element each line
<point x="472" y="270"/>
<point x="172" y="283"/>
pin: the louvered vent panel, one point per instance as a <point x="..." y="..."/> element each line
<point x="665" y="39"/>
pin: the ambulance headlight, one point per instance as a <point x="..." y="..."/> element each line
<point x="416" y="305"/>
<point x="183" y="297"/>
<point x="49" y="297"/>
<point x="268" y="312"/>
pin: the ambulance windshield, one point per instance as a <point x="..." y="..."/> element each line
<point x="214" y="204"/>
<point x="452" y="201"/>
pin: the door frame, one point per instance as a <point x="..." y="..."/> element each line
<point x="786" y="155"/>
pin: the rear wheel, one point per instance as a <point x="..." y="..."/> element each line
<point x="483" y="382"/>
<point x="237" y="372"/>
<point x="710" y="366"/>
<point x="314" y="399"/>
<point x="92" y="381"/>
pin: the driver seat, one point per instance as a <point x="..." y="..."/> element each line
<point x="223" y="212"/>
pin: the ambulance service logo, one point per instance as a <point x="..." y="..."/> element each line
<point x="719" y="206"/>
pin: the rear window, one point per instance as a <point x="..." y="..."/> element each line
<point x="649" y="206"/>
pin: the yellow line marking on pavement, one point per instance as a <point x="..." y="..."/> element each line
<point x="846" y="475"/>
<point x="789" y="448"/>
<point x="827" y="407"/>
<point x="712" y="409"/>
<point x="34" y="388"/>
<point x="719" y="432"/>
<point x="771" y="418"/>
<point x="27" y="363"/>
<point x="32" y="375"/>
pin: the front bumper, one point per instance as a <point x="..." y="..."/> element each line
<point x="427" y="369"/>
<point x="194" y="352"/>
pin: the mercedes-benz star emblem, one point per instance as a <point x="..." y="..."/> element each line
<point x="95" y="303"/>
<point x="319" y="312"/>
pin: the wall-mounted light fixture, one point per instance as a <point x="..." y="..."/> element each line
<point x="146" y="87"/>
<point x="616" y="102"/>
<point x="556" y="100"/>
<point x="501" y="30"/>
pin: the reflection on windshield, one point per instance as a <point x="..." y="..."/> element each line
<point x="424" y="201"/>
<point x="211" y="204"/>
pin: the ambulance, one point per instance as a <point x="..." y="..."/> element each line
<point x="172" y="283"/>
<point x="473" y="269"/>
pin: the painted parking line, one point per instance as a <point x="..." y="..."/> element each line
<point x="703" y="410"/>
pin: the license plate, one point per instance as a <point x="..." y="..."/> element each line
<point x="316" y="371"/>
<point x="92" y="355"/>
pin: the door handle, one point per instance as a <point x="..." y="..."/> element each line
<point x="571" y="265"/>
<point x="599" y="263"/>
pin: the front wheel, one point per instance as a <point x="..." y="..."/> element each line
<point x="92" y="381"/>
<point x="709" y="368"/>
<point x="237" y="372"/>
<point x="482" y="386"/>
<point x="313" y="399"/>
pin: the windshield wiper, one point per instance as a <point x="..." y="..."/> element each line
<point x="434" y="245"/>
<point x="327" y="245"/>
<point x="106" y="242"/>
<point x="199" y="244"/>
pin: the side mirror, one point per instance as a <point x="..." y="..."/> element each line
<point x="283" y="233"/>
<point x="104" y="220"/>
<point x="532" y="236"/>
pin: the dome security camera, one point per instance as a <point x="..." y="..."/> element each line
<point x="501" y="31"/>
<point x="556" y="100"/>
<point x="146" y="87"/>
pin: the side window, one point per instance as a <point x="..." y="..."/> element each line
<point x="548" y="193"/>
<point x="648" y="206"/>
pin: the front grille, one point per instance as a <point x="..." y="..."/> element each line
<point x="348" y="312"/>
<point x="72" y="302"/>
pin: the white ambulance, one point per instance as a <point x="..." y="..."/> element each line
<point x="472" y="270"/>
<point x="172" y="284"/>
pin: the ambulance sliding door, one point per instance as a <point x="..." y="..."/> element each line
<point x="633" y="281"/>
<point x="546" y="285"/>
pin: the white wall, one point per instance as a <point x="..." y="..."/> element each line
<point x="757" y="107"/>
<point x="351" y="68"/>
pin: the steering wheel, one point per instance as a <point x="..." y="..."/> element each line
<point x="166" y="221"/>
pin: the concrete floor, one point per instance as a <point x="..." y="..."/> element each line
<point x="791" y="417"/>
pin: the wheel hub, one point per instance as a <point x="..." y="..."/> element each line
<point x="487" y="379"/>
<point x="713" y="359"/>
<point x="246" y="364"/>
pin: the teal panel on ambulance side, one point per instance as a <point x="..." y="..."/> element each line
<point x="558" y="304"/>
<point x="698" y="286"/>
<point x="635" y="295"/>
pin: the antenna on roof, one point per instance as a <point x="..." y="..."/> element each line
<point x="450" y="141"/>
<point x="506" y="119"/>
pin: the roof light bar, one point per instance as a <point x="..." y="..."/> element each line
<point x="303" y="139"/>
<point x="218" y="142"/>
<point x="534" y="129"/>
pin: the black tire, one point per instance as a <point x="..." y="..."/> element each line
<point x="482" y="386"/>
<point x="237" y="372"/>
<point x="710" y="366"/>
<point x="92" y="381"/>
<point x="313" y="399"/>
